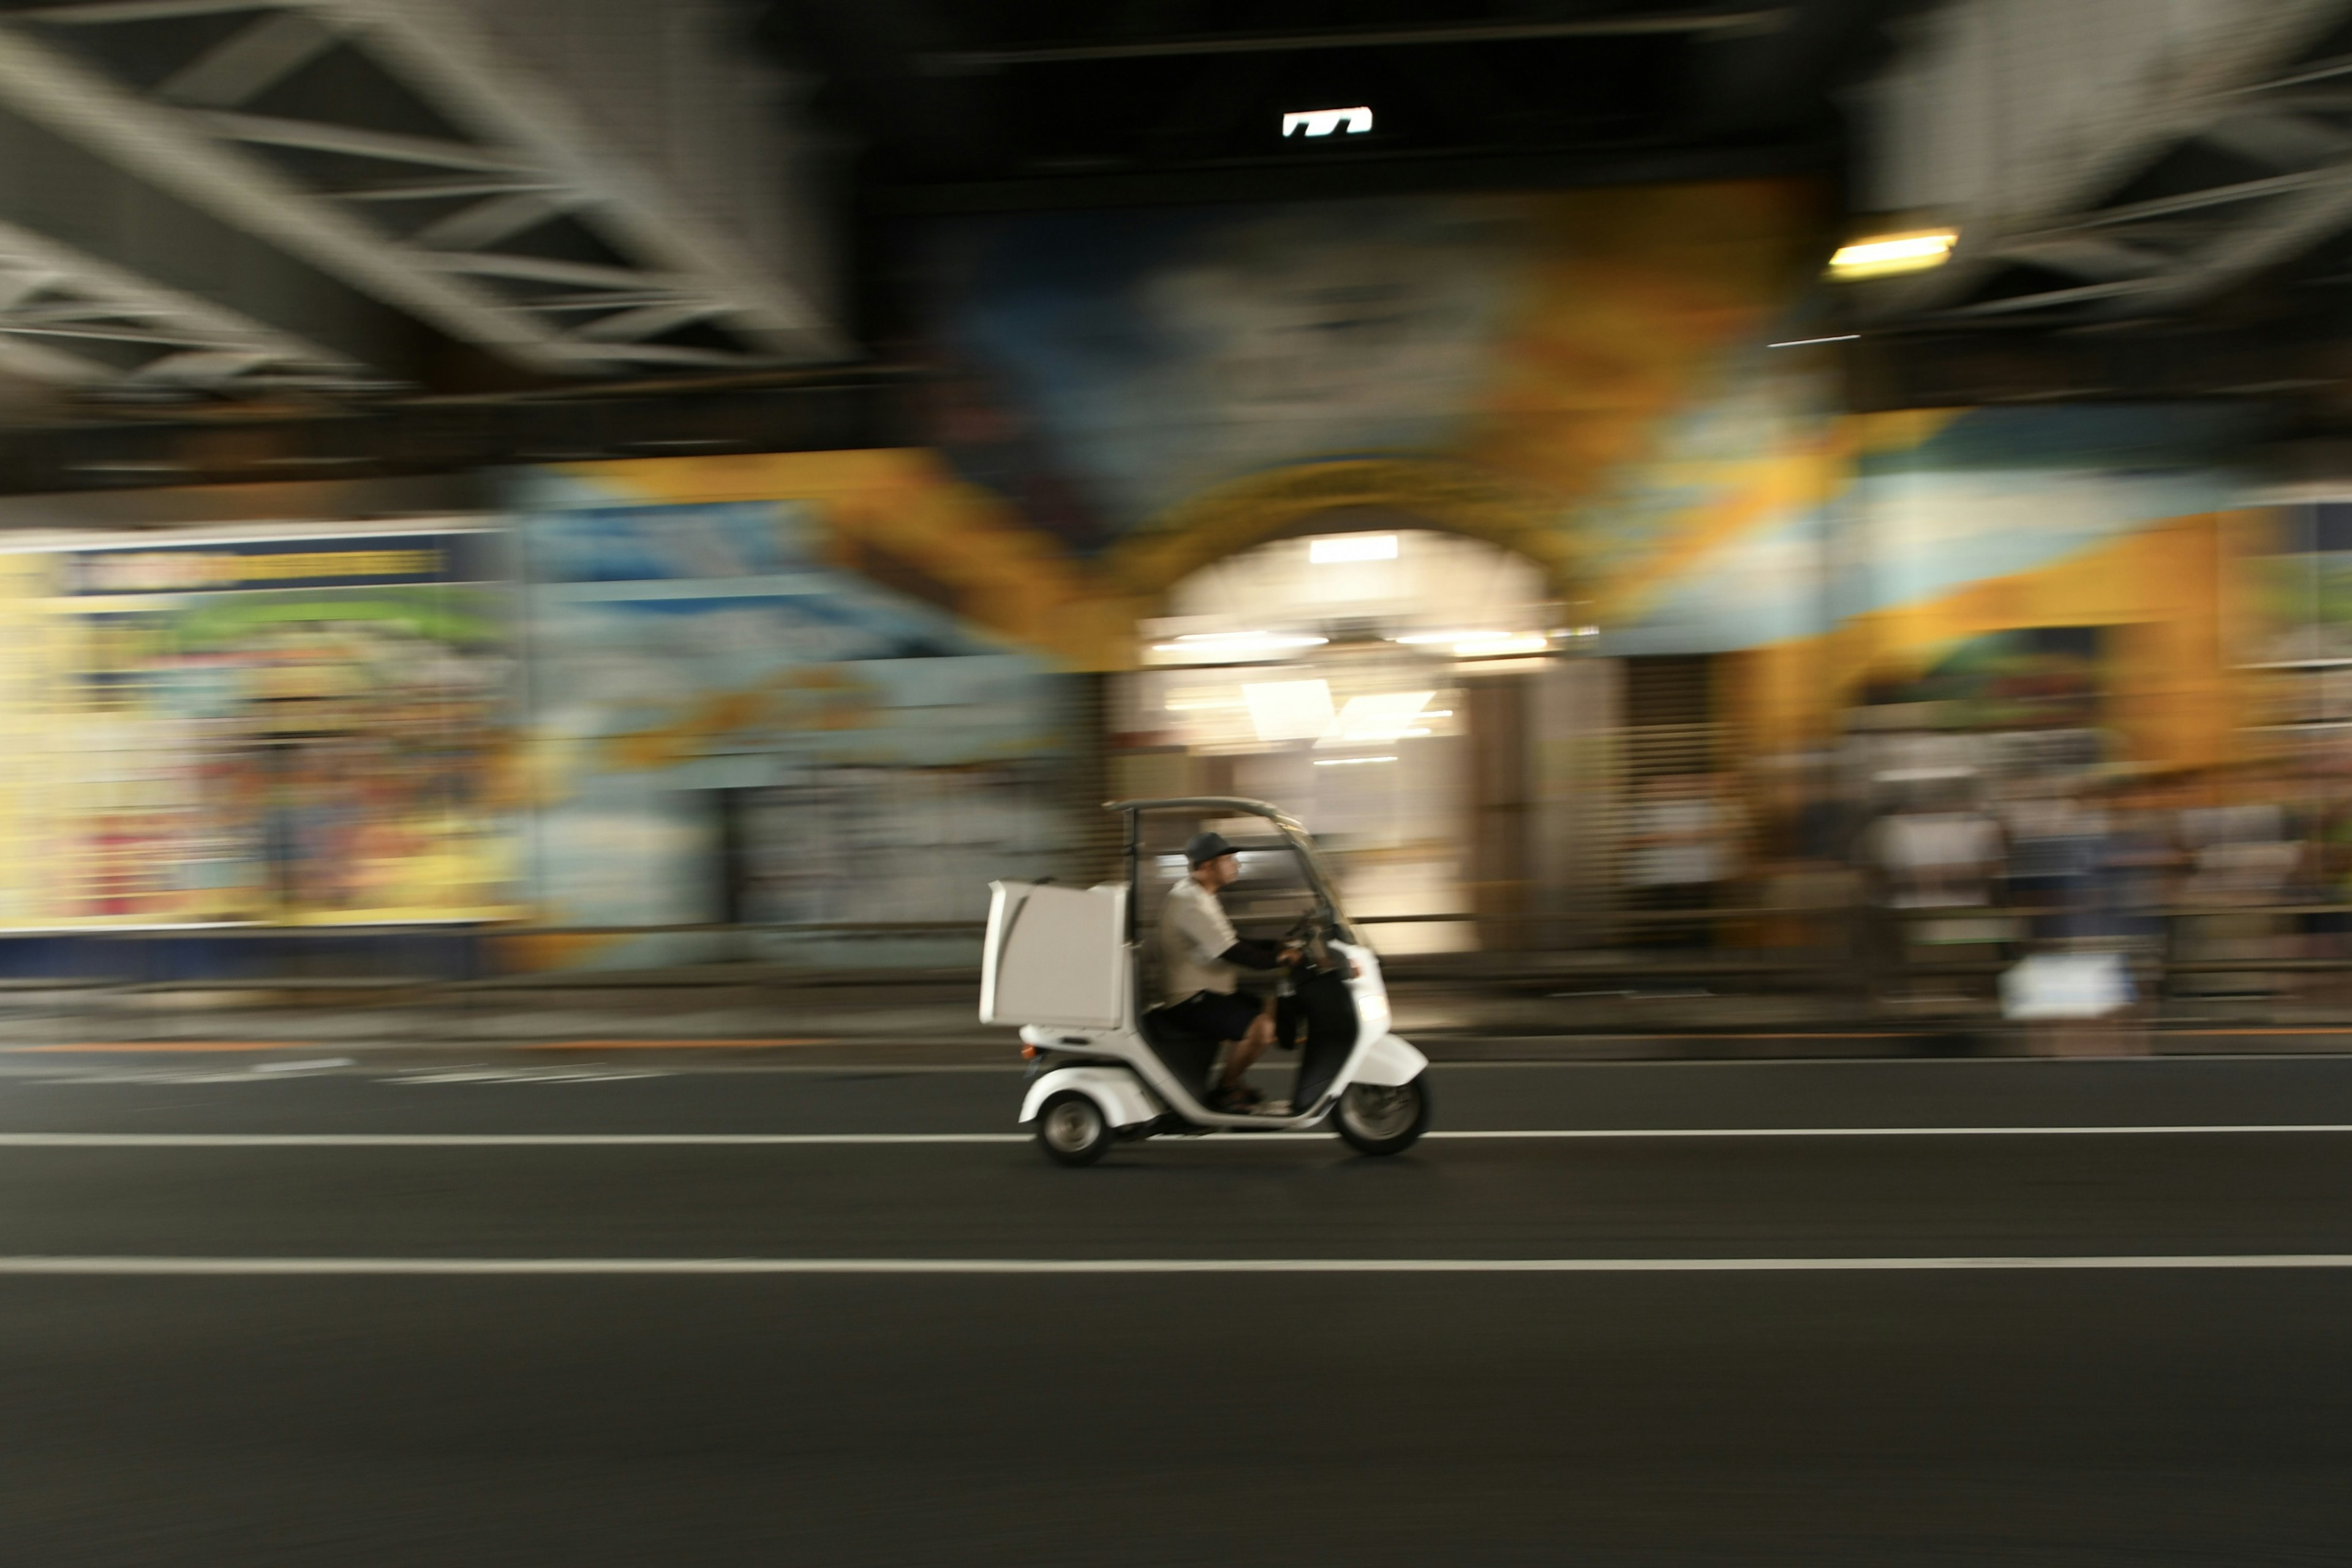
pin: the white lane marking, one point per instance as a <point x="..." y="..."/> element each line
<point x="2137" y="1131"/>
<point x="189" y="1076"/>
<point x="475" y="1139"/>
<point x="50" y="1075"/>
<point x="272" y="1072"/>
<point x="527" y="1075"/>
<point x="2204" y="1058"/>
<point x="789" y="1140"/>
<point x="587" y="1265"/>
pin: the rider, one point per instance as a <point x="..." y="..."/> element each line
<point x="1200" y="960"/>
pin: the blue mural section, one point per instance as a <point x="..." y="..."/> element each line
<point x="1115" y="363"/>
<point x="724" y="727"/>
<point x="1755" y="523"/>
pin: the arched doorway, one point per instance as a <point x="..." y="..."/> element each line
<point x="1374" y="678"/>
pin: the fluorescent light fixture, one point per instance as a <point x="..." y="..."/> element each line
<point x="1807" y="343"/>
<point x="1349" y="761"/>
<point x="1324" y="122"/>
<point x="1288" y="709"/>
<point x="1380" y="716"/>
<point x="1353" y="547"/>
<point x="1883" y="254"/>
<point x="1501" y="643"/>
<point x="1213" y="647"/>
<point x="1275" y="639"/>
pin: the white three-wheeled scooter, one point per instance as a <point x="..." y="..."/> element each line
<point x="1074" y="969"/>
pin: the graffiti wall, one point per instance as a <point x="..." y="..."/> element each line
<point x="824" y="688"/>
<point x="312" y="728"/>
<point x="1124" y="397"/>
<point x="1158" y="389"/>
<point x="725" y="724"/>
<point x="1589" y="379"/>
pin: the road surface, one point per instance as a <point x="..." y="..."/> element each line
<point x="632" y="1311"/>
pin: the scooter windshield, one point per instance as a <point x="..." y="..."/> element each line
<point x="1318" y="876"/>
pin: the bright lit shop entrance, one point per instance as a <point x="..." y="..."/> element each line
<point x="1383" y="684"/>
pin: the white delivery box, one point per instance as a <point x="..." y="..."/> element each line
<point x="1056" y="956"/>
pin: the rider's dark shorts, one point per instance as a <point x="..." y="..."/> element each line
<point x="1218" y="1016"/>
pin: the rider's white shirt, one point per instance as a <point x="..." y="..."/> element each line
<point x="1193" y="931"/>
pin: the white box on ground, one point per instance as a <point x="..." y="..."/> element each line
<point x="2053" y="985"/>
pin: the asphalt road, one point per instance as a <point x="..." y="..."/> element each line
<point x="1775" y="1313"/>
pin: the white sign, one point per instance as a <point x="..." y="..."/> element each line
<point x="1323" y="121"/>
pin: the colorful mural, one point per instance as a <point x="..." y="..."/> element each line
<point x="1583" y="377"/>
<point x="1158" y="389"/>
<point x="718" y="705"/>
<point x="830" y="687"/>
<point x="312" y="728"/>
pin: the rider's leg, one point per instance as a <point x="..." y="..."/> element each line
<point x="1241" y="1053"/>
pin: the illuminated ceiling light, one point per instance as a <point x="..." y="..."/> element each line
<point x="1353" y="547"/>
<point x="1289" y="710"/>
<point x="1416" y="639"/>
<point x="1497" y="646"/>
<point x="1881" y="255"/>
<point x="1349" y="761"/>
<point x="1233" y="648"/>
<point x="1265" y="640"/>
<point x="1323" y="121"/>
<point x="1378" y="716"/>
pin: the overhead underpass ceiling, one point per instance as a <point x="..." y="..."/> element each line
<point x="2150" y="202"/>
<point x="2232" y="166"/>
<point x="227" y="195"/>
<point x="1038" y="103"/>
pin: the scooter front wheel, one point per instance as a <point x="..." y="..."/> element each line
<point x="1072" y="1129"/>
<point x="1383" y="1119"/>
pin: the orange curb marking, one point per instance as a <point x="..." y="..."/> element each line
<point x="660" y="1045"/>
<point x="2226" y="1034"/>
<point x="1815" y="1035"/>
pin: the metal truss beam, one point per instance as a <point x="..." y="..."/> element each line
<point x="2167" y="253"/>
<point x="438" y="48"/>
<point x="1632" y="24"/>
<point x="339" y="188"/>
<point x="70" y="318"/>
<point x="170" y="149"/>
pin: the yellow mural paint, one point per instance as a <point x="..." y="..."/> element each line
<point x="1456" y="497"/>
<point x="902" y="516"/>
<point x="2171" y="697"/>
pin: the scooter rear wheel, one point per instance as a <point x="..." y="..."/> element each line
<point x="1072" y="1129"/>
<point x="1382" y="1119"/>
